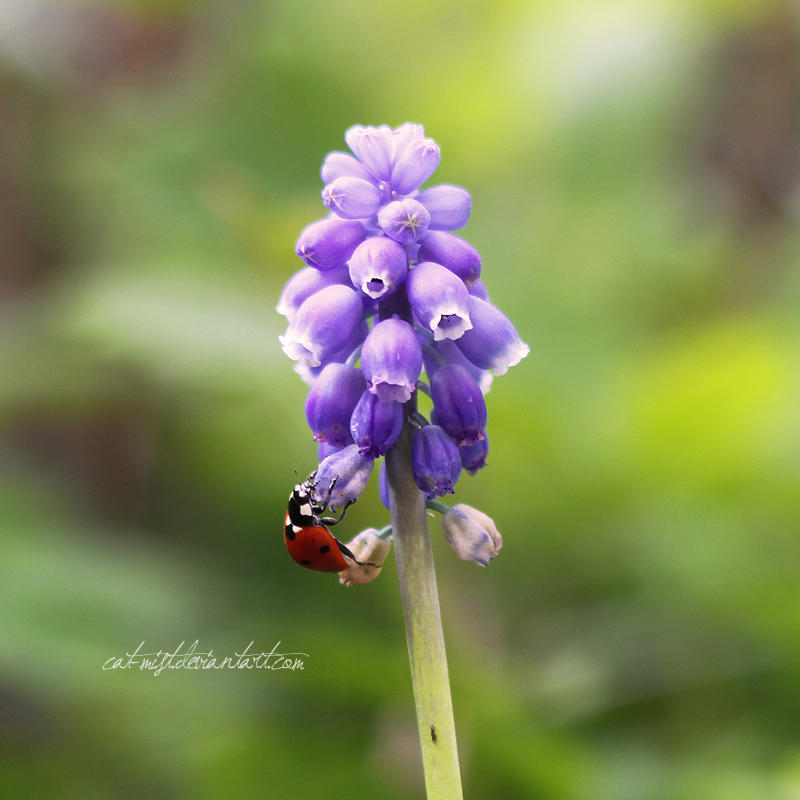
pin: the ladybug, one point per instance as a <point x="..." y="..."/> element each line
<point x="308" y="539"/>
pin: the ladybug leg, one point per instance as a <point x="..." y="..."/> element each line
<point x="345" y="550"/>
<point x="321" y="508"/>
<point x="328" y="521"/>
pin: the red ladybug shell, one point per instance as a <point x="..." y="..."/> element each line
<point x="313" y="547"/>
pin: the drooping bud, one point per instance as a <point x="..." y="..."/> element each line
<point x="473" y="456"/>
<point x="414" y="165"/>
<point x="451" y="251"/>
<point x="371" y="550"/>
<point x="472" y="535"/>
<point x="373" y="147"/>
<point x="439" y="299"/>
<point x="343" y="475"/>
<point x="306" y="282"/>
<point x="323" y="325"/>
<point x="330" y="403"/>
<point x="478" y="289"/>
<point x="435" y="461"/>
<point x="404" y="220"/>
<point x="459" y="404"/>
<point x="446" y="352"/>
<point x="343" y="165"/>
<point x="324" y="449"/>
<point x="375" y="426"/>
<point x="449" y="206"/>
<point x="329" y="242"/>
<point x="352" y="198"/>
<point x="378" y="266"/>
<point x="391" y="360"/>
<point x="493" y="342"/>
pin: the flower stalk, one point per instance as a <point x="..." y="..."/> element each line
<point x="424" y="635"/>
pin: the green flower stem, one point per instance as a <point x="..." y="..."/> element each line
<point x="433" y="505"/>
<point x="417" y="578"/>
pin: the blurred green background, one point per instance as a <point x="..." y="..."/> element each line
<point x="636" y="180"/>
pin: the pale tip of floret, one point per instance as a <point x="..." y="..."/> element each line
<point x="450" y="324"/>
<point x="391" y="392"/>
<point x="299" y="351"/>
<point x="512" y="355"/>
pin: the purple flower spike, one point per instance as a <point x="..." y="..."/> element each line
<point x="452" y="252"/>
<point x="435" y="461"/>
<point x="373" y="148"/>
<point x="414" y="165"/>
<point x="323" y="325"/>
<point x="459" y="404"/>
<point x="330" y="403"/>
<point x="378" y="266"/>
<point x="305" y="283"/>
<point x="449" y="206"/>
<point x="342" y="165"/>
<point x="439" y="299"/>
<point x="404" y="220"/>
<point x="473" y="456"/>
<point x="352" y="198"/>
<point x="328" y="243"/>
<point x="343" y="475"/>
<point x="391" y="360"/>
<point x="325" y="449"/>
<point x="375" y="426"/>
<point x="493" y="343"/>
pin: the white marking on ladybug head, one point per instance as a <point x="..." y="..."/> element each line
<point x="305" y="510"/>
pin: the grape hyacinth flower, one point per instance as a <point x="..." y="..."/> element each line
<point x="388" y="306"/>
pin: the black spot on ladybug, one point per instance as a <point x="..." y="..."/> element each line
<point x="325" y="548"/>
<point x="289" y="532"/>
<point x="306" y="563"/>
<point x="434" y="737"/>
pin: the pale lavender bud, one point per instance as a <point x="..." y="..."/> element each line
<point x="493" y="342"/>
<point x="473" y="456"/>
<point x="329" y="242"/>
<point x="414" y="165"/>
<point x="459" y="404"/>
<point x="472" y="535"/>
<point x="435" y="461"/>
<point x="439" y="299"/>
<point x="306" y="282"/>
<point x="330" y="403"/>
<point x="403" y="136"/>
<point x="375" y="426"/>
<point x="373" y="147"/>
<point x="371" y="550"/>
<point x="391" y="360"/>
<point x="449" y="206"/>
<point x="404" y="220"/>
<point x="343" y="165"/>
<point x="342" y="476"/>
<point x="323" y="325"/>
<point x="452" y="252"/>
<point x="352" y="198"/>
<point x="325" y="449"/>
<point x="378" y="266"/>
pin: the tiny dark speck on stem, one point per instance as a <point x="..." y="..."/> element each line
<point x="434" y="737"/>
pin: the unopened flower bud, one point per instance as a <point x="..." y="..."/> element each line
<point x="478" y="289"/>
<point x="343" y="165"/>
<point x="458" y="255"/>
<point x="493" y="342"/>
<point x="375" y="426"/>
<point x="378" y="266"/>
<point x="439" y="299"/>
<point x="449" y="206"/>
<point x="403" y="137"/>
<point x="371" y="551"/>
<point x="472" y="535"/>
<point x="473" y="456"/>
<point x="323" y="325"/>
<point x="330" y="403"/>
<point x="306" y="282"/>
<point x="435" y="461"/>
<point x="342" y="476"/>
<point x="352" y="198"/>
<point x="325" y="449"/>
<point x="414" y="165"/>
<point x="391" y="360"/>
<point x="404" y="220"/>
<point x="373" y="147"/>
<point x="329" y="242"/>
<point x="459" y="404"/>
